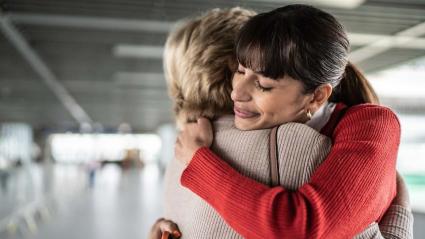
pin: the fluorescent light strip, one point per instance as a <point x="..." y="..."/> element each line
<point x="404" y="38"/>
<point x="410" y="73"/>
<point x="378" y="42"/>
<point x="113" y="24"/>
<point x="138" y="51"/>
<point x="139" y="79"/>
<point x="347" y="4"/>
<point x="385" y="40"/>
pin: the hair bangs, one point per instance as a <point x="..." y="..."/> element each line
<point x="261" y="49"/>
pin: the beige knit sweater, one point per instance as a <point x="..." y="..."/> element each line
<point x="301" y="150"/>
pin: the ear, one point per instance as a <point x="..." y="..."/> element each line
<point x="320" y="96"/>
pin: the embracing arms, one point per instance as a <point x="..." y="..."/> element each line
<point x="354" y="185"/>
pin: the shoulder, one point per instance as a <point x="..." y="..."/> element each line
<point x="223" y="122"/>
<point x="300" y="143"/>
<point x="371" y="112"/>
<point x="227" y="136"/>
<point x="368" y="120"/>
<point x="297" y="130"/>
<point x="370" y="108"/>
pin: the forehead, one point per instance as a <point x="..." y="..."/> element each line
<point x="286" y="77"/>
<point x="257" y="70"/>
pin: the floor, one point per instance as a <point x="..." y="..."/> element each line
<point x="119" y="204"/>
<point x="62" y="202"/>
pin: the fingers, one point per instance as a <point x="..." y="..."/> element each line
<point x="162" y="229"/>
<point x="206" y="131"/>
<point x="402" y="198"/>
<point x="192" y="137"/>
<point x="204" y="122"/>
<point x="170" y="227"/>
<point x="155" y="232"/>
<point x="165" y="235"/>
<point x="400" y="181"/>
<point x="401" y="185"/>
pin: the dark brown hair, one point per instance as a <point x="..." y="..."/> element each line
<point x="306" y="44"/>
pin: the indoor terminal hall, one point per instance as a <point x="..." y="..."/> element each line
<point x="100" y="135"/>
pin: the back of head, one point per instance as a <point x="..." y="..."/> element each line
<point x="199" y="62"/>
<point x="307" y="44"/>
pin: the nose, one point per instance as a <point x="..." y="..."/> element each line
<point x="240" y="90"/>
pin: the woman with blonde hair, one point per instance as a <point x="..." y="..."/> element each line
<point x="199" y="64"/>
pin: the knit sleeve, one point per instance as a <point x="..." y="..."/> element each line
<point x="397" y="223"/>
<point x="354" y="185"/>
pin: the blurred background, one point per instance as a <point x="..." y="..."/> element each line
<point x="86" y="126"/>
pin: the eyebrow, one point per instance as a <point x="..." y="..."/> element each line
<point x="259" y="72"/>
<point x="269" y="80"/>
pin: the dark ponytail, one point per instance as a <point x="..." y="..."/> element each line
<point x="354" y="88"/>
<point x="306" y="44"/>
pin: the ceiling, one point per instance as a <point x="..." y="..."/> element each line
<point x="85" y="67"/>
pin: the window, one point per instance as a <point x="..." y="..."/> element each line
<point x="78" y="148"/>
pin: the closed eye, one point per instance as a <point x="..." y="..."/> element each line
<point x="262" y="88"/>
<point x="240" y="72"/>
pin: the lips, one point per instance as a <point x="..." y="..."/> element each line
<point x="244" y="113"/>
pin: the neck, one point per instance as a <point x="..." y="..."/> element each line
<point x="321" y="116"/>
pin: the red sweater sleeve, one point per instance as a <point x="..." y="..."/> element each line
<point x="351" y="188"/>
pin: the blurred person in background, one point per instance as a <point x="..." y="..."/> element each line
<point x="5" y="166"/>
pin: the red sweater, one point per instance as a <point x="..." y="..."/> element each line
<point x="352" y="188"/>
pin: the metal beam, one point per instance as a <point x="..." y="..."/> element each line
<point x="139" y="79"/>
<point x="113" y="24"/>
<point x="356" y="39"/>
<point x="38" y="65"/>
<point x="406" y="37"/>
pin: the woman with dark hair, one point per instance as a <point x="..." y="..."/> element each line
<point x="293" y="67"/>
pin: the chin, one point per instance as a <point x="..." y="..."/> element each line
<point x="241" y="125"/>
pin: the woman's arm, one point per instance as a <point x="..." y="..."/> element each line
<point x="354" y="185"/>
<point x="397" y="222"/>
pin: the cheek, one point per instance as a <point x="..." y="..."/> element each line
<point x="281" y="107"/>
<point x="271" y="105"/>
<point x="236" y="78"/>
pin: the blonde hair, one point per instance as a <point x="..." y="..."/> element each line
<point x="199" y="61"/>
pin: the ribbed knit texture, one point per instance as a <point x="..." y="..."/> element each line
<point x="195" y="218"/>
<point x="301" y="150"/>
<point x="397" y="223"/>
<point x="351" y="188"/>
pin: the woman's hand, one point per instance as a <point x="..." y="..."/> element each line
<point x="191" y="138"/>
<point x="163" y="228"/>
<point x="402" y="197"/>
